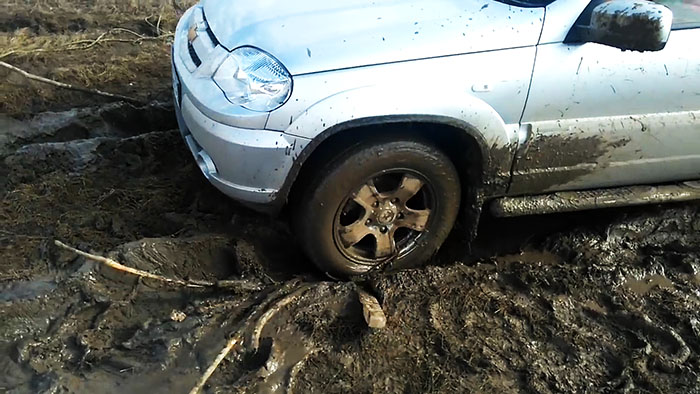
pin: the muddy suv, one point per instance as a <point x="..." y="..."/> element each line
<point x="374" y="124"/>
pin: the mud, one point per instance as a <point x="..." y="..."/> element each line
<point x="594" y="199"/>
<point x="593" y="302"/>
<point x="603" y="302"/>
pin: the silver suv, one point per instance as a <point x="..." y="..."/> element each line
<point x="375" y="123"/>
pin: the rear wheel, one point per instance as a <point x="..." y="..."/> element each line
<point x="378" y="203"/>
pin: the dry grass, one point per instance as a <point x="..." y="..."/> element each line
<point x="112" y="9"/>
<point x="112" y="45"/>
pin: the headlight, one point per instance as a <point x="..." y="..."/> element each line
<point x="254" y="80"/>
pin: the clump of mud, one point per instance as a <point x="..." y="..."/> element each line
<point x="588" y="303"/>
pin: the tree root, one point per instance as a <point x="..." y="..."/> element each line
<point x="242" y="285"/>
<point x="256" y="332"/>
<point x="277" y="300"/>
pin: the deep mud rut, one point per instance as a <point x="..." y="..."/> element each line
<point x="594" y="302"/>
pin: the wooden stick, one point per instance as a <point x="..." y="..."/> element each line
<point x="236" y="284"/>
<point x="235" y="340"/>
<point x="133" y="271"/>
<point x="69" y="86"/>
<point x="238" y="335"/>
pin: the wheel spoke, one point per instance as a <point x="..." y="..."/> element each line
<point x="367" y="195"/>
<point x="408" y="188"/>
<point x="352" y="234"/>
<point x="415" y="220"/>
<point x="386" y="246"/>
<point x="384" y="213"/>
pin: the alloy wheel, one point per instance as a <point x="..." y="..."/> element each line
<point x="385" y="217"/>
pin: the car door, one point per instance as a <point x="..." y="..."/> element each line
<point x="598" y="116"/>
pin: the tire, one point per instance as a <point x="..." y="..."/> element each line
<point x="367" y="193"/>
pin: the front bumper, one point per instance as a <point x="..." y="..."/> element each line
<point x="248" y="165"/>
<point x="229" y="143"/>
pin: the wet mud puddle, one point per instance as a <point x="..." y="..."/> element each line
<point x="645" y="285"/>
<point x="26" y="290"/>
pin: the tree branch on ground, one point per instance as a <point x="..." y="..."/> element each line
<point x="64" y="85"/>
<point x="243" y="285"/>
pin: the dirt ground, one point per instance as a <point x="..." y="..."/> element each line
<point x="593" y="302"/>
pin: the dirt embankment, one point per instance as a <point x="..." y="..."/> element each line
<point x="595" y="302"/>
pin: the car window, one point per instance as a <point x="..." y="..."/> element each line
<point x="527" y="3"/>
<point x="686" y="13"/>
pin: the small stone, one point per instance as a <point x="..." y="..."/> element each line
<point x="177" y="316"/>
<point x="372" y="310"/>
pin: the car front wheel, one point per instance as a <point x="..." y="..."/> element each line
<point x="381" y="204"/>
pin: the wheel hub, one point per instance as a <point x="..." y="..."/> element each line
<point x="386" y="214"/>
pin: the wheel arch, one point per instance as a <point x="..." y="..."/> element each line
<point x="460" y="141"/>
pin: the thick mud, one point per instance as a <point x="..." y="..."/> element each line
<point x="595" y="302"/>
<point x="602" y="302"/>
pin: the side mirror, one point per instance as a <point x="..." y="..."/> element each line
<point x="637" y="25"/>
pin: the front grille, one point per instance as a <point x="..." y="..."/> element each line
<point x="193" y="54"/>
<point x="212" y="37"/>
<point x="198" y="42"/>
<point x="178" y="88"/>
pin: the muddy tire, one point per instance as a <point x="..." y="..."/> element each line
<point x="378" y="205"/>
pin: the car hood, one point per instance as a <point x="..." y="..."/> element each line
<point x="310" y="36"/>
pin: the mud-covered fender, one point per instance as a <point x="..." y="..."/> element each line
<point x="348" y="110"/>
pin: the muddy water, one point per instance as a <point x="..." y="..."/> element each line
<point x="594" y="302"/>
<point x="646" y="284"/>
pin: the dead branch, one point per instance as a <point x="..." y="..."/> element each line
<point x="69" y="86"/>
<point x="133" y="271"/>
<point x="158" y="23"/>
<point x="90" y="43"/>
<point x="125" y="30"/>
<point x="237" y="337"/>
<point x="238" y="284"/>
<point x="232" y="342"/>
<point x="371" y="309"/>
<point x="254" y="340"/>
<point x="235" y="284"/>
